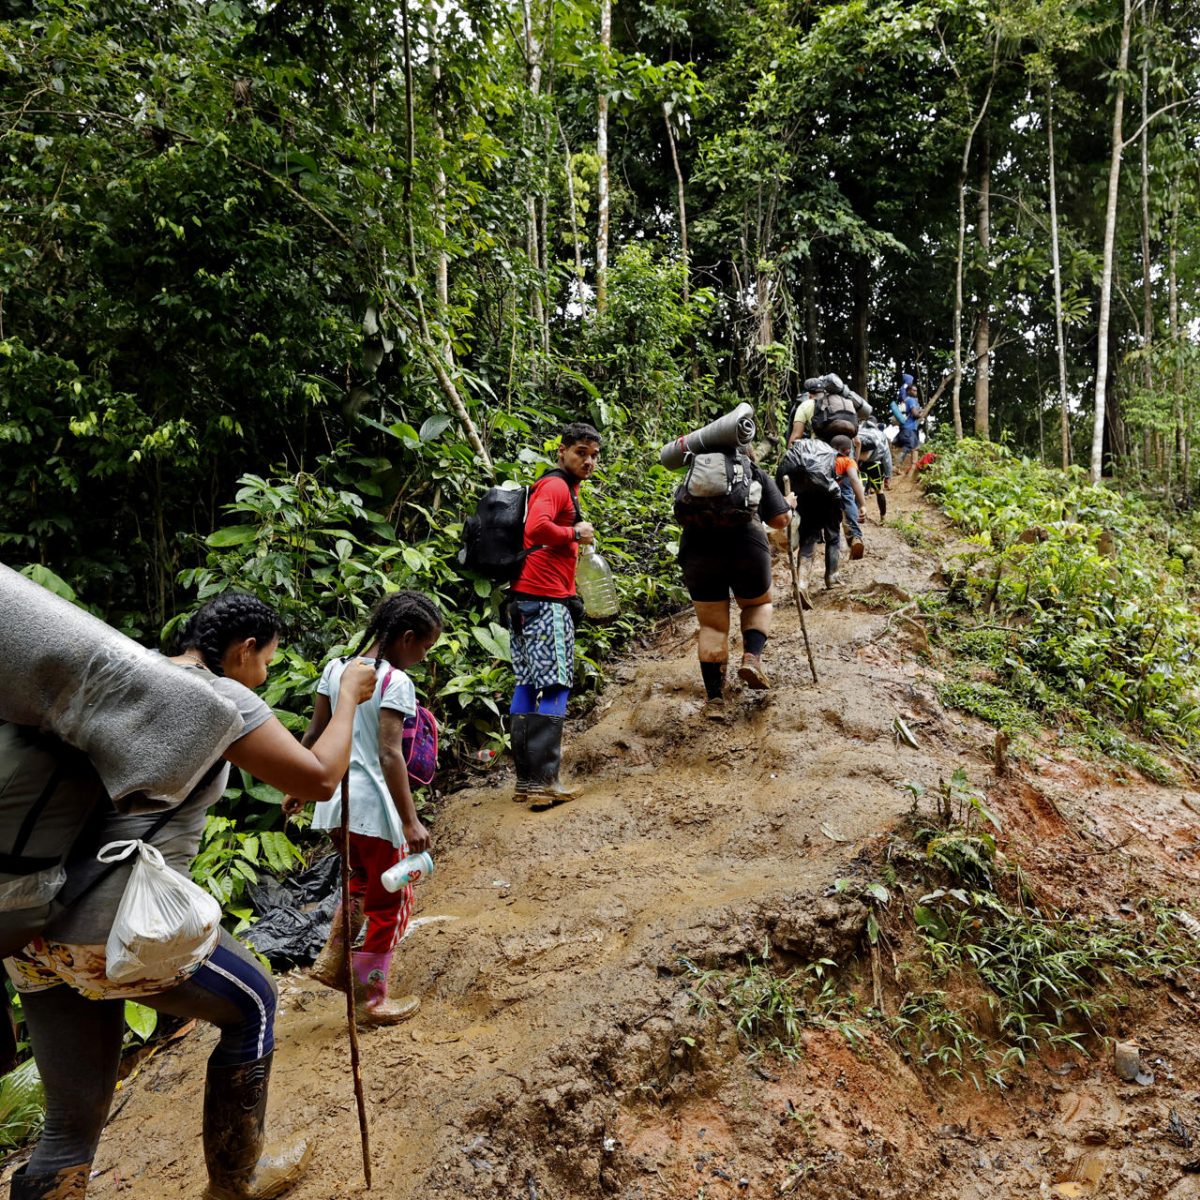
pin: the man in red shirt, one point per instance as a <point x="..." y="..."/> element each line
<point x="543" y="611"/>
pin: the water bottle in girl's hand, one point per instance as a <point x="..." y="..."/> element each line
<point x="408" y="870"/>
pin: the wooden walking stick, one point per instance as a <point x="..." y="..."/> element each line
<point x="347" y="940"/>
<point x="812" y="666"/>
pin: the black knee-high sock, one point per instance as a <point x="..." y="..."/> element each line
<point x="714" y="678"/>
<point x="753" y="641"/>
<point x="881" y="500"/>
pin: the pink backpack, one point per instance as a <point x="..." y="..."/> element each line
<point x="420" y="741"/>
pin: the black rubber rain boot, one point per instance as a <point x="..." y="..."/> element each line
<point x="831" y="564"/>
<point x="235" y="1110"/>
<point x="544" y="746"/>
<point x="881" y="500"/>
<point x="520" y="753"/>
<point x="68" y="1184"/>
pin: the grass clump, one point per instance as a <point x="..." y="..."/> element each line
<point x="990" y="703"/>
<point x="771" y="1010"/>
<point x="1029" y="977"/>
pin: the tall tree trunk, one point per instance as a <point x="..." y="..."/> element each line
<point x="681" y="203"/>
<point x="812" y="359"/>
<point x="602" y="155"/>
<point x="1183" y="419"/>
<point x="956" y="393"/>
<point x="860" y="323"/>
<point x="439" y="195"/>
<point x="574" y="211"/>
<point x="432" y="353"/>
<point x="533" y="250"/>
<point x="983" y="325"/>
<point x="1110" y="236"/>
<point x="1058" y="309"/>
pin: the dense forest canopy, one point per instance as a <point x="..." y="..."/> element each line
<point x="384" y="249"/>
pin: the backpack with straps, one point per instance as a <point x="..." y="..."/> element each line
<point x="494" y="536"/>
<point x="811" y="466"/>
<point x="420" y="741"/>
<point x="835" y="413"/>
<point x="719" y="490"/>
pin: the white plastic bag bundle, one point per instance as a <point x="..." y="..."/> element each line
<point x="164" y="923"/>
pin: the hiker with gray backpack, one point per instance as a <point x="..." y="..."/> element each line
<point x="721" y="506"/>
<point x="828" y="409"/>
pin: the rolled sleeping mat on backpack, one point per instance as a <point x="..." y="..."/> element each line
<point x="861" y="407"/>
<point x="147" y="726"/>
<point x="734" y="429"/>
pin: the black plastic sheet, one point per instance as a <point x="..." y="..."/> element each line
<point x="294" y="913"/>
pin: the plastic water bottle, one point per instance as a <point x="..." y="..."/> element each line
<point x="408" y="870"/>
<point x="597" y="587"/>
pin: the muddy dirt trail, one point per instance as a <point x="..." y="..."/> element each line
<point x="557" y="1053"/>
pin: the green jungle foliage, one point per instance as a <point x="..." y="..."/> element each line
<point x="1086" y="599"/>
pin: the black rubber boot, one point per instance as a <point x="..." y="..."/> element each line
<point x="831" y="564"/>
<point x="68" y="1184"/>
<point x="881" y="500"/>
<point x="544" y="747"/>
<point x="235" y="1110"/>
<point x="520" y="753"/>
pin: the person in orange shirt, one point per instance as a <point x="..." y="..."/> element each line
<point x="854" y="499"/>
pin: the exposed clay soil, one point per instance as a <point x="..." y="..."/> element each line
<point x="557" y="1055"/>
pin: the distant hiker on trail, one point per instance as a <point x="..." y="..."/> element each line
<point x="810" y="467"/>
<point x="543" y="611"/>
<point x="828" y="409"/>
<point x="384" y="825"/>
<point x="76" y="1014"/>
<point x="875" y="464"/>
<point x="723" y="550"/>
<point x="853" y="498"/>
<point x="906" y="409"/>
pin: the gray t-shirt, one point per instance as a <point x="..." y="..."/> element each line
<point x="88" y="921"/>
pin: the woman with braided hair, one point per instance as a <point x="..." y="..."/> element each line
<point x="76" y="1015"/>
<point x="384" y="825"/>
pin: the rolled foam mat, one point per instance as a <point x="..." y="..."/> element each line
<point x="147" y="725"/>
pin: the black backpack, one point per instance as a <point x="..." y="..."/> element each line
<point x="719" y="490"/>
<point x="811" y="466"/>
<point x="494" y="538"/>
<point x="834" y="414"/>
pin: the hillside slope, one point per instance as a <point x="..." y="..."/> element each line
<point x="558" y="1054"/>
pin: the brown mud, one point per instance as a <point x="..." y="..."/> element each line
<point x="557" y="1054"/>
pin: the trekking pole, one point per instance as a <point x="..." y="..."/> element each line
<point x="347" y="938"/>
<point x="812" y="666"/>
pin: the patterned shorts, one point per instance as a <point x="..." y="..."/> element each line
<point x="543" y="644"/>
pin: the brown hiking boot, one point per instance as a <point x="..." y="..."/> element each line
<point x="857" y="548"/>
<point x="714" y="709"/>
<point x="751" y="673"/>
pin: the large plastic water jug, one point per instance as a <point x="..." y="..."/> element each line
<point x="596" y="585"/>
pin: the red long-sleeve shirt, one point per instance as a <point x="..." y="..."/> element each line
<point x="550" y="522"/>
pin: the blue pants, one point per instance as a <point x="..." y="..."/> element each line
<point x="77" y="1044"/>
<point x="849" y="508"/>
